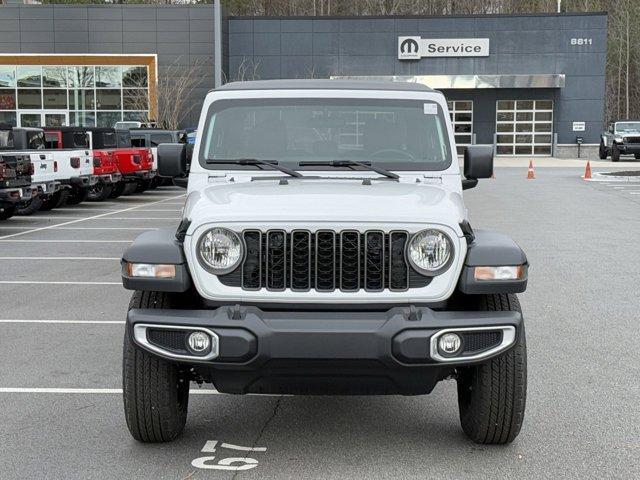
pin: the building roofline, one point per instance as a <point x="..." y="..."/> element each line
<point x="417" y="17"/>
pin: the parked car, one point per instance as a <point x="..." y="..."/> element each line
<point x="342" y="266"/>
<point x="61" y="175"/>
<point x="151" y="138"/>
<point x="101" y="143"/>
<point x="622" y="137"/>
<point x="15" y="182"/>
<point x="134" y="164"/>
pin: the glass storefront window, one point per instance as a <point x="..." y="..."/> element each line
<point x="7" y="76"/>
<point x="134" y="77"/>
<point x="108" y="77"/>
<point x="29" y="76"/>
<point x="8" y="118"/>
<point x="84" y="95"/>
<point x="108" y="100"/>
<point x="7" y="99"/>
<point x="55" y="76"/>
<point x="80" y="77"/>
<point x="82" y="119"/>
<point x="135" y="99"/>
<point x="82" y="100"/>
<point x="108" y="119"/>
<point x="29" y="98"/>
<point x="136" y="116"/>
<point x="54" y="99"/>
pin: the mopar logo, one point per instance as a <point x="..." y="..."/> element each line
<point x="409" y="48"/>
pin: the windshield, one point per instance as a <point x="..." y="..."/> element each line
<point x="391" y="134"/>
<point x="126" y="125"/>
<point x="628" y="127"/>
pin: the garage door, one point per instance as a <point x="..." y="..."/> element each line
<point x="524" y="127"/>
<point x="461" y="112"/>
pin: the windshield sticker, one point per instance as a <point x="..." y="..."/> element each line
<point x="430" y="109"/>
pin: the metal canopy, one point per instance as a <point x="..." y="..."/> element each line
<point x="444" y="82"/>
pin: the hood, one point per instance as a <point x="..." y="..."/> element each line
<point x="332" y="201"/>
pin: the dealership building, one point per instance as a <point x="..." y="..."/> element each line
<point x="529" y="85"/>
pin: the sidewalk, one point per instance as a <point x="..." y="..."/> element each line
<point x="544" y="162"/>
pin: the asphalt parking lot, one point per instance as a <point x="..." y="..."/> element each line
<point x="61" y="326"/>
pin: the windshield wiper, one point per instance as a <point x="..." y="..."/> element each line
<point x="257" y="162"/>
<point x="350" y="163"/>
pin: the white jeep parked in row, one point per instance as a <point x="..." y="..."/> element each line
<point x="325" y="248"/>
<point x="59" y="175"/>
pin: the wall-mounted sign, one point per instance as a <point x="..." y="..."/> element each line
<point x="578" y="126"/>
<point x="414" y="48"/>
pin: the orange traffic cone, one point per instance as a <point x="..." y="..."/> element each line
<point x="530" y="173"/>
<point x="587" y="171"/>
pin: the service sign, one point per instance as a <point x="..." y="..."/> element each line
<point x="579" y="126"/>
<point x="414" y="48"/>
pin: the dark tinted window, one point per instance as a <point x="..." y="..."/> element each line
<point x="35" y="140"/>
<point x="80" y="140"/>
<point x="109" y="139"/>
<point x="138" y="142"/>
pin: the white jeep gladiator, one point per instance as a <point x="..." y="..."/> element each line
<point x="325" y="248"/>
<point x="59" y="175"/>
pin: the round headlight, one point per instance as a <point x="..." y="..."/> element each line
<point x="220" y="250"/>
<point x="430" y="251"/>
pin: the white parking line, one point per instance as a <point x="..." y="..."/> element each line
<point x="113" y="210"/>
<point x="60" y="258"/>
<point x="26" y="240"/>
<point x="66" y="322"/>
<point x="67" y="217"/>
<point x="102" y="391"/>
<point x="102" y="215"/>
<point x="30" y="282"/>
<point x="84" y="228"/>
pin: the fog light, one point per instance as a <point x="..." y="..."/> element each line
<point x="199" y="342"/>
<point x="449" y="343"/>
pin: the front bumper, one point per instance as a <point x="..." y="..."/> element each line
<point x="628" y="147"/>
<point x="324" y="352"/>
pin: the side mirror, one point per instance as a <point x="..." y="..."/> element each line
<point x="478" y="163"/>
<point x="172" y="160"/>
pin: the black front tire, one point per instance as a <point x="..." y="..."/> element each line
<point x="155" y="391"/>
<point x="29" y="207"/>
<point x="615" y="153"/>
<point x="492" y="395"/>
<point x="602" y="151"/>
<point x="636" y="156"/>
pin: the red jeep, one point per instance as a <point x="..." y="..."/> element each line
<point x="105" y="166"/>
<point x="134" y="163"/>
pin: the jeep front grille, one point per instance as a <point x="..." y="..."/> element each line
<point x="632" y="139"/>
<point x="325" y="260"/>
